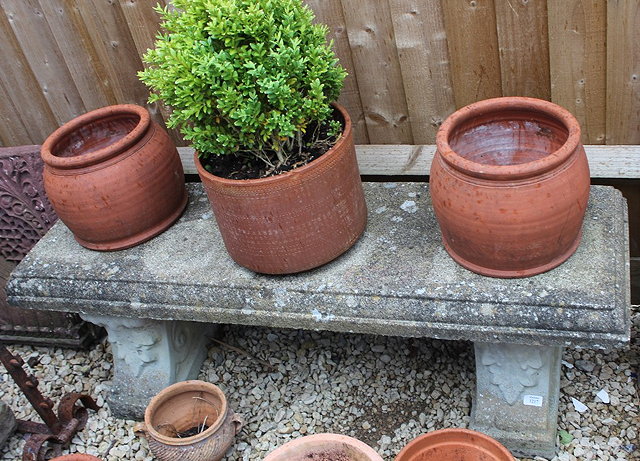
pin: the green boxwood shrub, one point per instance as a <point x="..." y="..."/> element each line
<point x="243" y="76"/>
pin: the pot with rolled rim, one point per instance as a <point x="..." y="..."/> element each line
<point x="324" y="447"/>
<point x="454" y="444"/>
<point x="76" y="457"/>
<point x="114" y="177"/>
<point x="189" y="421"/>
<point x="509" y="185"/>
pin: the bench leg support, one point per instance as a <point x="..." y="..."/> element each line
<point x="516" y="400"/>
<point x="149" y="355"/>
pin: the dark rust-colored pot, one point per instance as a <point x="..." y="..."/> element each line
<point x="454" y="444"/>
<point x="114" y="177"/>
<point x="294" y="221"/>
<point x="509" y="185"/>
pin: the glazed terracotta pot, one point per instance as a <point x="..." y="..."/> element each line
<point x="174" y="423"/>
<point x="76" y="457"/>
<point x="294" y="221"/>
<point x="114" y="177"/>
<point x="324" y="447"/>
<point x="454" y="444"/>
<point x="509" y="186"/>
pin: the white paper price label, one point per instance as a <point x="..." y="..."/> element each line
<point x="532" y="400"/>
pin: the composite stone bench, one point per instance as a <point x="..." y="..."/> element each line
<point x="160" y="301"/>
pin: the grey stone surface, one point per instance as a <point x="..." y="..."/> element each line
<point x="150" y="355"/>
<point x="516" y="400"/>
<point x="397" y="280"/>
<point x="7" y="423"/>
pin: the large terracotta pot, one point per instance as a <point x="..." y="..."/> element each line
<point x="454" y="444"/>
<point x="294" y="221"/>
<point x="189" y="405"/>
<point x="114" y="177"/>
<point x="76" y="457"/>
<point x="324" y="447"/>
<point x="509" y="185"/>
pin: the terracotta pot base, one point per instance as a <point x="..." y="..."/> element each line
<point x="133" y="240"/>
<point x="511" y="274"/>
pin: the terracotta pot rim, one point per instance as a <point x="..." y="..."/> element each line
<point x="176" y="389"/>
<point x="433" y="438"/>
<point x="502" y="172"/>
<point x="283" y="177"/>
<point x="100" y="155"/>
<point x="328" y="436"/>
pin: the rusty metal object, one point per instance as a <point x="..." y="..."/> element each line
<point x="57" y="430"/>
<point x="25" y="216"/>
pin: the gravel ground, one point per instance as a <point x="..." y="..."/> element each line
<point x="382" y="390"/>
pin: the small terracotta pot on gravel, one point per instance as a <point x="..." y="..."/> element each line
<point x="454" y="444"/>
<point x="509" y="185"/>
<point x="114" y="177"/>
<point x="294" y="221"/>
<point x="189" y="421"/>
<point x="76" y="457"/>
<point x="324" y="447"/>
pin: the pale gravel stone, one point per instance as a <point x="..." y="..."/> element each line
<point x="332" y="382"/>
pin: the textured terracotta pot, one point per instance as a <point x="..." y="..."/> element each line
<point x="183" y="406"/>
<point x="509" y="185"/>
<point x="114" y="177"/>
<point x="76" y="457"/>
<point x="294" y="221"/>
<point x="454" y="444"/>
<point x="324" y="447"/>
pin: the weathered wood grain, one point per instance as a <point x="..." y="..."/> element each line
<point x="473" y="49"/>
<point x="44" y="58"/>
<point x="578" y="62"/>
<point x="523" y="47"/>
<point x="424" y="61"/>
<point x="377" y="70"/>
<point x="329" y="12"/>
<point x="623" y="72"/>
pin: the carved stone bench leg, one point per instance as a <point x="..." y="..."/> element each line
<point x="148" y="356"/>
<point x="516" y="400"/>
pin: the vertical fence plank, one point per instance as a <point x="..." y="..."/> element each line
<point x="378" y="71"/>
<point x="329" y="12"/>
<point x="44" y="57"/>
<point x="79" y="53"/>
<point x="473" y="49"/>
<point x="424" y="60"/>
<point x="12" y="130"/>
<point x="115" y="47"/>
<point x="623" y="72"/>
<point x="577" y="52"/>
<point x="24" y="91"/>
<point x="524" y="48"/>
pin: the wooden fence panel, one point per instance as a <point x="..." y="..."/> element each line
<point x="473" y="49"/>
<point x="378" y="70"/>
<point x="410" y="62"/>
<point x="623" y="72"/>
<point x="329" y="12"/>
<point x="578" y="60"/>
<point x="424" y="60"/>
<point x="524" y="48"/>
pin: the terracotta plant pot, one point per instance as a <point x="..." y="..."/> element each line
<point x="76" y="457"/>
<point x="114" y="177"/>
<point x="324" y="447"/>
<point x="509" y="185"/>
<point x="183" y="408"/>
<point x="294" y="221"/>
<point x="454" y="444"/>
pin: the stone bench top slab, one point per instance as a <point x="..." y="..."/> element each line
<point x="397" y="280"/>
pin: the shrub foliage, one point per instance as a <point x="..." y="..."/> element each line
<point x="243" y="76"/>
